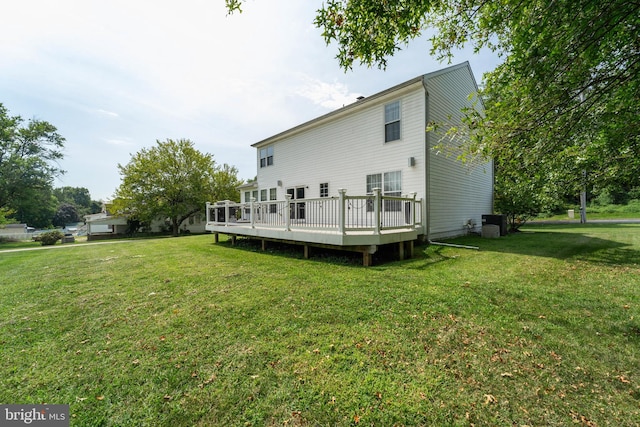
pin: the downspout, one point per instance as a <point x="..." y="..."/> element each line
<point x="426" y="216"/>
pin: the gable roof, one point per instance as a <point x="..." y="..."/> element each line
<point x="361" y="102"/>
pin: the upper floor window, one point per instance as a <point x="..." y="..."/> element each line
<point x="324" y="189"/>
<point x="392" y="121"/>
<point x="266" y="156"/>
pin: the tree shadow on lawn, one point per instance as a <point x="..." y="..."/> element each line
<point x="569" y="243"/>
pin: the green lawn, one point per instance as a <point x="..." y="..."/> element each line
<point x="537" y="328"/>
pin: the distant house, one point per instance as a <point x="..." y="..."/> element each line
<point x="103" y="225"/>
<point x="14" y="229"/>
<point x="369" y="168"/>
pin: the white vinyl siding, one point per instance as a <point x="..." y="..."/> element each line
<point x="457" y="192"/>
<point x="349" y="147"/>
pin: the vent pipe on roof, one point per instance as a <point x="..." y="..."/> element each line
<point x="360" y="98"/>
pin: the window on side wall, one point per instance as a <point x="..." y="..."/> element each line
<point x="324" y="189"/>
<point x="266" y="156"/>
<point x="263" y="195"/>
<point x="273" y="208"/>
<point x="391" y="185"/>
<point x="373" y="181"/>
<point x="392" y="121"/>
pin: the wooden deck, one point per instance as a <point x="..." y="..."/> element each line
<point x="353" y="223"/>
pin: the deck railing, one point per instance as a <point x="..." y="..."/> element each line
<point x="342" y="214"/>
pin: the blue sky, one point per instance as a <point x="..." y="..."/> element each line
<point x="116" y="76"/>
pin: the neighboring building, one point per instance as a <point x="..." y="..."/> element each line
<point x="103" y="225"/>
<point x="377" y="142"/>
<point x="11" y="229"/>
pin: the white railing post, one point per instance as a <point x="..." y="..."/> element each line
<point x="287" y="217"/>
<point x="413" y="209"/>
<point x="341" y="209"/>
<point x="226" y="213"/>
<point x="376" y="209"/>
<point x="251" y="215"/>
<point x="208" y="213"/>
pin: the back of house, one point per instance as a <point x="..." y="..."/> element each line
<point x="381" y="142"/>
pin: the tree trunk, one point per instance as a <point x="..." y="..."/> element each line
<point x="175" y="225"/>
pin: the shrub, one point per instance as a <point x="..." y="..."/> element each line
<point x="49" y="238"/>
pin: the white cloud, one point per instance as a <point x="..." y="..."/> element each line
<point x="331" y="95"/>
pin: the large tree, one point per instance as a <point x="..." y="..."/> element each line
<point x="565" y="97"/>
<point x="79" y="197"/>
<point x="29" y="155"/>
<point x="172" y="180"/>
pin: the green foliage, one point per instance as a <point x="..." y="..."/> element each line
<point x="79" y="198"/>
<point x="172" y="180"/>
<point x="66" y="214"/>
<point x="49" y="238"/>
<point x="28" y="164"/>
<point x="4" y="214"/>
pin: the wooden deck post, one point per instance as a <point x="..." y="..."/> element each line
<point x="216" y="237"/>
<point x="367" y="259"/>
<point x="264" y="245"/>
<point x="287" y="218"/>
<point x="306" y="251"/>
<point x="233" y="240"/>
<point x="401" y="250"/>
<point x="341" y="210"/>
<point x="413" y="210"/>
<point x="251" y="217"/>
<point x="376" y="210"/>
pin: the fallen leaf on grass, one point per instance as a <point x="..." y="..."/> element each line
<point x="489" y="398"/>
<point x="624" y="380"/>
<point x="506" y="374"/>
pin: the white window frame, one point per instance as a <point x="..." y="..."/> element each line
<point x="273" y="195"/>
<point x="266" y="156"/>
<point x="392" y="121"/>
<point x="324" y="189"/>
<point x="390" y="184"/>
